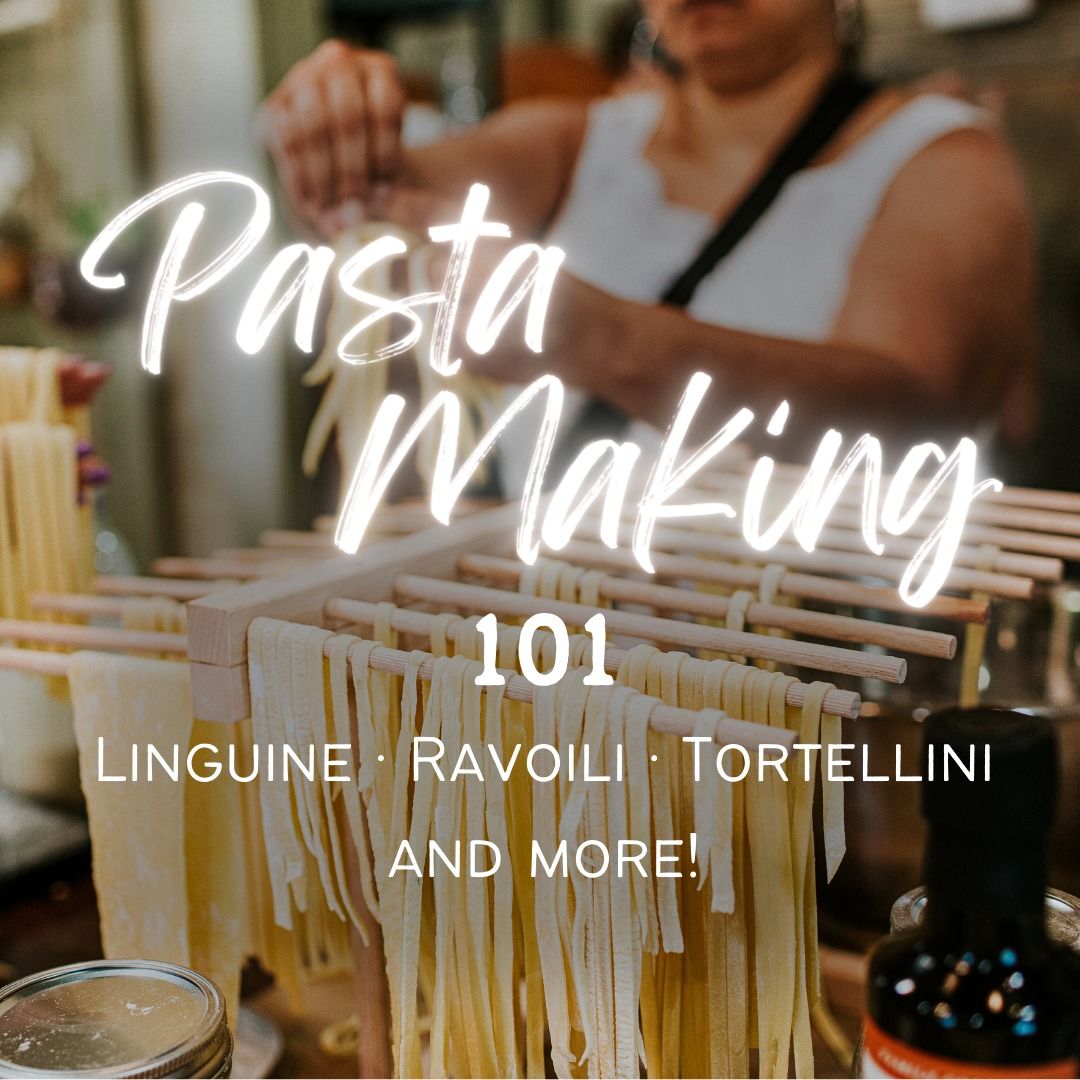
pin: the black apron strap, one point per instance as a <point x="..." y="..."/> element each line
<point x="837" y="103"/>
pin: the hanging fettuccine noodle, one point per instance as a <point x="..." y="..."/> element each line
<point x="170" y="868"/>
<point x="975" y="639"/>
<point x="354" y="392"/>
<point x="617" y="971"/>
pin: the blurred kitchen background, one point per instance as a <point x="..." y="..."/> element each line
<point x="102" y="99"/>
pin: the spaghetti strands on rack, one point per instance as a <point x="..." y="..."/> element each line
<point x="30" y="386"/>
<point x="43" y="531"/>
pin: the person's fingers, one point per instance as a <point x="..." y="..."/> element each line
<point x="282" y="142"/>
<point x="80" y="380"/>
<point x="385" y="99"/>
<point x="313" y="152"/>
<point x="333" y="130"/>
<point x="343" y="92"/>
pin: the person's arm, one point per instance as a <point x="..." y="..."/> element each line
<point x="935" y="331"/>
<point x="333" y="128"/>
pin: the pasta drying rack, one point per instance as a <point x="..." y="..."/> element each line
<point x="469" y="567"/>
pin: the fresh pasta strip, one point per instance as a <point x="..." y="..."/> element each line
<point x="553" y="958"/>
<point x="446" y="825"/>
<point x="124" y="700"/>
<point x="569" y="728"/>
<point x="625" y="941"/>
<point x="407" y="1059"/>
<point x="517" y="729"/>
<point x="477" y="898"/>
<point x="774" y="891"/>
<point x="974" y="647"/>
<point x="635" y="673"/>
<point x="284" y="855"/>
<point x="158" y="613"/>
<point x="832" y="798"/>
<point x="736" y="615"/>
<point x="307" y="664"/>
<point x="802" y="867"/>
<point x="349" y="792"/>
<point x="30" y="387"/>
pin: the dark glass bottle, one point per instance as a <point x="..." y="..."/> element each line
<point x="978" y="989"/>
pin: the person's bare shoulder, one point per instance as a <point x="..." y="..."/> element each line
<point x="944" y="278"/>
<point x="966" y="177"/>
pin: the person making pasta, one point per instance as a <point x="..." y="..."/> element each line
<point x="873" y="264"/>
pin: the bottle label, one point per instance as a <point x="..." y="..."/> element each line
<point x="884" y="1056"/>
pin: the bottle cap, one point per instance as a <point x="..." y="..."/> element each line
<point x="1020" y="795"/>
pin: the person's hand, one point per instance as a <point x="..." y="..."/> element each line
<point x="333" y="129"/>
<point x="80" y="380"/>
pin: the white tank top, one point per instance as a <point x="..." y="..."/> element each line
<point x="787" y="278"/>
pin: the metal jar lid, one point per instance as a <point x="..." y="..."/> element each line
<point x="123" y="1018"/>
<point x="1062" y="915"/>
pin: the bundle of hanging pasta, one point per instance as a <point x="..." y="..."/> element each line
<point x="354" y="392"/>
<point x="179" y="867"/>
<point x="682" y="976"/>
<point x="45" y="535"/>
<point x="169" y="856"/>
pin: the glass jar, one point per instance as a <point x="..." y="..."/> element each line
<point x="1062" y="915"/>
<point x="122" y="1018"/>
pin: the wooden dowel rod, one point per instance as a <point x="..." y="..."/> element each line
<point x="841" y="564"/>
<point x="85" y="604"/>
<point x="692" y="602"/>
<point x="1035" y="498"/>
<point x="668" y="631"/>
<point x="799" y="586"/>
<point x="240" y="569"/>
<point x="268" y="554"/>
<point x="1035" y="543"/>
<point x="1012" y="541"/>
<point x="409" y="516"/>
<point x="844" y="533"/>
<point x="840" y="535"/>
<point x="35" y="662"/>
<point x="290" y="539"/>
<point x="173" y="588"/>
<point x="1036" y="567"/>
<point x="99" y="638"/>
<point x="1023" y="508"/>
<point x="404" y="620"/>
<point x="1067" y="502"/>
<point x="664" y="718"/>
